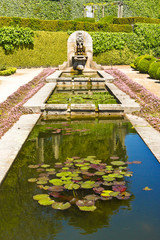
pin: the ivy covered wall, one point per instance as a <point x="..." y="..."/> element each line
<point x="70" y="9"/>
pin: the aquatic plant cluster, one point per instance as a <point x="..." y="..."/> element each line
<point x="93" y="97"/>
<point x="81" y="182"/>
<point x="150" y="104"/>
<point x="12" y="108"/>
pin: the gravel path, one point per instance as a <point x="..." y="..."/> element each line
<point x="151" y="84"/>
<point x="9" y="84"/>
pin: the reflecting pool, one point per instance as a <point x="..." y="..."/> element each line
<point x="135" y="218"/>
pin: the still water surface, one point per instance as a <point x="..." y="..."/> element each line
<point x="21" y="218"/>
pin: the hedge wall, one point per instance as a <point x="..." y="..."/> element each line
<point x="132" y="20"/>
<point x="50" y="49"/>
<point x="62" y="25"/>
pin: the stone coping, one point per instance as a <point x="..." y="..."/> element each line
<point x="10" y="148"/>
<point x="149" y="135"/>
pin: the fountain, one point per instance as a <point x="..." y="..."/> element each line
<point x="80" y="53"/>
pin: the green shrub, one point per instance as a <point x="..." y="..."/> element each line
<point x="120" y="28"/>
<point x="115" y="57"/>
<point x="85" y="19"/>
<point x="107" y="19"/>
<point x="15" y="37"/>
<point x="158" y="73"/>
<point x="132" y="20"/>
<point x="50" y="49"/>
<point x="154" y="69"/>
<point x="144" y="63"/>
<point x="8" y="71"/>
<point x="136" y="61"/>
<point x="133" y="66"/>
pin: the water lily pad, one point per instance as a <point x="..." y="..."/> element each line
<point x="105" y="183"/>
<point x="128" y="174"/>
<point x="124" y="196"/>
<point x="92" y="197"/>
<point x="84" y="203"/>
<point x="85" y="168"/>
<point x="55" y="194"/>
<point x="46" y="202"/>
<point x="107" y="178"/>
<point x="56" y="188"/>
<point x="118" y="163"/>
<point x="40" y="169"/>
<point x="119" y="188"/>
<point x="32" y="180"/>
<point x="114" y="194"/>
<point x="109" y="168"/>
<point x="87" y="208"/>
<point x="61" y="205"/>
<point x="45" y="166"/>
<point x="87" y="184"/>
<point x="106" y="193"/>
<point x="42" y="182"/>
<point x="71" y="186"/>
<point x="147" y="189"/>
<point x="98" y="190"/>
<point x="99" y="173"/>
<point x="50" y="169"/>
<point x="119" y="183"/>
<point x="40" y="196"/>
<point x="63" y="174"/>
<point x="56" y="182"/>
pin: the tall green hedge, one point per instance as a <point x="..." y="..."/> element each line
<point x="132" y="20"/>
<point x="62" y="25"/>
<point x="50" y="49"/>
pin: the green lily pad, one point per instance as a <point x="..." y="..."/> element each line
<point x="88" y="184"/>
<point x="32" y="180"/>
<point x="56" y="188"/>
<point x="85" y="168"/>
<point x="118" y="163"/>
<point x="87" y="208"/>
<point x="50" y="170"/>
<point x="46" y="202"/>
<point x="106" y="193"/>
<point x="40" y="196"/>
<point x="42" y="182"/>
<point x="56" y="182"/>
<point x="107" y="178"/>
<point x="61" y="205"/>
<point x="71" y="186"/>
<point x="45" y="166"/>
<point x="99" y="173"/>
<point x="63" y="174"/>
<point x="114" y="194"/>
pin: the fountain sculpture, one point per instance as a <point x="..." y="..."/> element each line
<point x="79" y="53"/>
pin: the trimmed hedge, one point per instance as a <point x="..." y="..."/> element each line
<point x="154" y="70"/>
<point x="115" y="57"/>
<point x="50" y="49"/>
<point x="132" y="20"/>
<point x="8" y="71"/>
<point x="61" y="25"/>
<point x="144" y="63"/>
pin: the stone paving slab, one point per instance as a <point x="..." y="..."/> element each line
<point x="149" y="135"/>
<point x="38" y="100"/>
<point x="10" y="147"/>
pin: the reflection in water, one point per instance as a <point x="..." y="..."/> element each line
<point x="101" y="138"/>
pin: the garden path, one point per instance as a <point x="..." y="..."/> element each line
<point x="9" y="84"/>
<point x="151" y="84"/>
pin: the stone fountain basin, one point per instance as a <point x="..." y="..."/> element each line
<point x="38" y="102"/>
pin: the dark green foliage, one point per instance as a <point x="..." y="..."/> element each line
<point x="50" y="49"/>
<point x="15" y="37"/>
<point x="68" y="10"/>
<point x="7" y="72"/>
<point x="133" y="20"/>
<point x="154" y="71"/>
<point x="107" y="19"/>
<point x="136" y="61"/>
<point x="62" y="25"/>
<point x="85" y="19"/>
<point x="144" y="63"/>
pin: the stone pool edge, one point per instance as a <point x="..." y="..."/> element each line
<point x="13" y="140"/>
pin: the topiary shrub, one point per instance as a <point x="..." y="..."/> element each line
<point x="136" y="61"/>
<point x="144" y="63"/>
<point x="107" y="19"/>
<point x="8" y="71"/>
<point x="154" y="71"/>
<point x="85" y="19"/>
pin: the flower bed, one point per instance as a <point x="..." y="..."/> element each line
<point x="150" y="104"/>
<point x="12" y="108"/>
